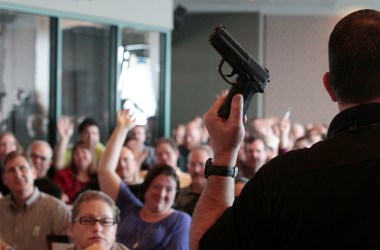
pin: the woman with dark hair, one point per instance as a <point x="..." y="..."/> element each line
<point x="80" y="173"/>
<point x="152" y="224"/>
<point x="94" y="220"/>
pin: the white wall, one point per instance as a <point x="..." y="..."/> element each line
<point x="158" y="13"/>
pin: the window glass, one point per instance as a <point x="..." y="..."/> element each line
<point x="139" y="81"/>
<point x="24" y="75"/>
<point x="86" y="72"/>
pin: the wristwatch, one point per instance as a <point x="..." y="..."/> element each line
<point x="211" y="169"/>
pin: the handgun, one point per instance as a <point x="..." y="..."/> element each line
<point x="251" y="78"/>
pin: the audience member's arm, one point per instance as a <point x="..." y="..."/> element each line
<point x="65" y="129"/>
<point x="285" y="142"/>
<point x="109" y="180"/>
<point x="226" y="136"/>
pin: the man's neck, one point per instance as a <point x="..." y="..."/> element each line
<point x="343" y="106"/>
<point x="20" y="198"/>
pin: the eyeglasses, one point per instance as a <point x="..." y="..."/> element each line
<point x="90" y="221"/>
<point x="36" y="156"/>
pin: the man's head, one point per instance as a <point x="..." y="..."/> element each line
<point x="354" y="59"/>
<point x="255" y="150"/>
<point x="139" y="133"/>
<point x="88" y="131"/>
<point x="127" y="167"/>
<point x="167" y="152"/>
<point x="193" y="135"/>
<point x="196" y="163"/>
<point x="41" y="155"/>
<point x="18" y="174"/>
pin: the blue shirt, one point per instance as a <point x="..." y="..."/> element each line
<point x="171" y="233"/>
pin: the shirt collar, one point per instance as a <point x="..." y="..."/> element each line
<point x="353" y="118"/>
<point x="29" y="202"/>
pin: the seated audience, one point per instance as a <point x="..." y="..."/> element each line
<point x="88" y="133"/>
<point x="26" y="214"/>
<point x="167" y="153"/>
<point x="153" y="224"/>
<point x="41" y="155"/>
<point x="94" y="220"/>
<point x="189" y="196"/>
<point x="80" y="174"/>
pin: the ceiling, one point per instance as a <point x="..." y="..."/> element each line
<point x="302" y="7"/>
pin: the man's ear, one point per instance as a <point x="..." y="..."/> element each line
<point x="327" y="84"/>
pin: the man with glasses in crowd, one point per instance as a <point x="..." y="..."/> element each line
<point x="41" y="155"/>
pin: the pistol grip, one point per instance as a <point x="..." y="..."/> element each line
<point x="246" y="89"/>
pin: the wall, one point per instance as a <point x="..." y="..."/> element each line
<point x="294" y="51"/>
<point x="156" y="12"/>
<point x="296" y="56"/>
<point x="195" y="80"/>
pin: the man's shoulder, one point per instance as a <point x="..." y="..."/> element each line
<point x="290" y="164"/>
<point x="48" y="200"/>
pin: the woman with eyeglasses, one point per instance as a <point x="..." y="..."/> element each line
<point x="152" y="224"/>
<point x="94" y="221"/>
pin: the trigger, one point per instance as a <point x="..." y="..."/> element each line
<point x="231" y="74"/>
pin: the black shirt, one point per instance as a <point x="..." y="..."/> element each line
<point x="325" y="197"/>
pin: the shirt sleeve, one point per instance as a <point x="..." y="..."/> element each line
<point x="126" y="200"/>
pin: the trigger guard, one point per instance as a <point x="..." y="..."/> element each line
<point x="224" y="75"/>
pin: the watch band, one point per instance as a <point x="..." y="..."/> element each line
<point x="211" y="169"/>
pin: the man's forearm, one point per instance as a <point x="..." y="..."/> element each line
<point x="216" y="197"/>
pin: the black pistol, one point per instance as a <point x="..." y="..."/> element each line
<point x="251" y="77"/>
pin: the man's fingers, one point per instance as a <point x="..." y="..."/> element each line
<point x="236" y="113"/>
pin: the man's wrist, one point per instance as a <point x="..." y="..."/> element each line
<point x="219" y="170"/>
<point x="227" y="159"/>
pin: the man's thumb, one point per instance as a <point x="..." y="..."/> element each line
<point x="236" y="113"/>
